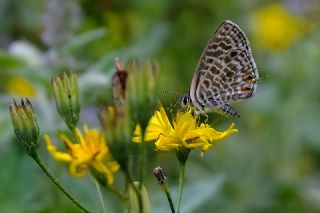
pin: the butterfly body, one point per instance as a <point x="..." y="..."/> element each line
<point x="226" y="72"/>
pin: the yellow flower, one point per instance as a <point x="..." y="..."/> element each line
<point x="184" y="133"/>
<point x="90" y="152"/>
<point x="275" y="28"/>
<point x="20" y="86"/>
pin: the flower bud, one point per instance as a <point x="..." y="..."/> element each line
<point x="25" y="125"/>
<point x="66" y="94"/>
<point x="117" y="125"/>
<point x="160" y="175"/>
<point x="119" y="82"/>
<point x="141" y="90"/>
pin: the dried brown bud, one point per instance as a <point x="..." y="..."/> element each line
<point x="119" y="81"/>
<point x="160" y="175"/>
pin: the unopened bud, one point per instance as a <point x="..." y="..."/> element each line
<point x="117" y="125"/>
<point x="25" y="125"/>
<point x="66" y="94"/>
<point x="141" y="91"/>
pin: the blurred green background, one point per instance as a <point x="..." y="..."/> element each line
<point x="271" y="165"/>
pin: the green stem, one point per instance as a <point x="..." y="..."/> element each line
<point x="169" y="199"/>
<point x="74" y="134"/>
<point x="142" y="162"/>
<point x="142" y="157"/>
<point x="181" y="182"/>
<point x="120" y="194"/>
<point x="128" y="201"/>
<point x="100" y="196"/>
<point x="45" y="169"/>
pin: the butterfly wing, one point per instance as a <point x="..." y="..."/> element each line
<point x="226" y="70"/>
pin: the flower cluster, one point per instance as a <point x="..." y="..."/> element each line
<point x="102" y="153"/>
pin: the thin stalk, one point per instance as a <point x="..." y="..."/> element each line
<point x="128" y="201"/>
<point x="181" y="182"/>
<point x="45" y="169"/>
<point x="74" y="134"/>
<point x="103" y="208"/>
<point x="142" y="162"/>
<point x="120" y="194"/>
<point x="169" y="200"/>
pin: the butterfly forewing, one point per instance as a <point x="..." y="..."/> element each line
<point x="226" y="70"/>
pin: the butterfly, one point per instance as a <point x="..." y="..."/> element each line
<point x="226" y="72"/>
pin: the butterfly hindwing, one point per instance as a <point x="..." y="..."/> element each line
<point x="226" y="70"/>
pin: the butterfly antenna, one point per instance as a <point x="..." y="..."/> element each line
<point x="171" y="92"/>
<point x="178" y="101"/>
<point x="178" y="98"/>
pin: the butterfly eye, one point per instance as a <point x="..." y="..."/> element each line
<point x="250" y="76"/>
<point x="185" y="101"/>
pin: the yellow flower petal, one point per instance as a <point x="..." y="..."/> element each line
<point x="89" y="151"/>
<point x="184" y="133"/>
<point x="99" y="166"/>
<point x="78" y="168"/>
<point x="158" y="124"/>
<point x="167" y="143"/>
<point x="60" y="156"/>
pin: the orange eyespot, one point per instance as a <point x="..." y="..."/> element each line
<point x="249" y="77"/>
<point x="246" y="88"/>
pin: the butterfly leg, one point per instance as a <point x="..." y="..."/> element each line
<point x="207" y="117"/>
<point x="228" y="110"/>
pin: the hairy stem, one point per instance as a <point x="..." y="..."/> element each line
<point x="142" y="162"/>
<point x="169" y="199"/>
<point x="45" y="169"/>
<point x="103" y="208"/>
<point x="181" y="182"/>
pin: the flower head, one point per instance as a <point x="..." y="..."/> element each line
<point x="90" y="152"/>
<point x="20" y="86"/>
<point x="117" y="125"/>
<point x="141" y="89"/>
<point x="66" y="94"/>
<point x="183" y="133"/>
<point x="275" y="28"/>
<point x="25" y="125"/>
<point x="160" y="175"/>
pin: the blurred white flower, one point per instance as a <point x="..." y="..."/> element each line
<point x="26" y="52"/>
